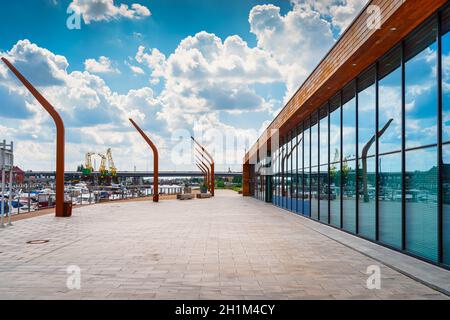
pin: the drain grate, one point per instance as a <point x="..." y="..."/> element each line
<point x="38" y="241"/>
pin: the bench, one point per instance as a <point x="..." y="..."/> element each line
<point x="186" y="196"/>
<point x="204" y="195"/>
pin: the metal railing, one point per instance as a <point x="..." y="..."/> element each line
<point x="30" y="201"/>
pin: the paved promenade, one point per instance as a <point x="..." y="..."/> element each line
<point x="224" y="248"/>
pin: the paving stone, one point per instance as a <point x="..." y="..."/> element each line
<point x="228" y="247"/>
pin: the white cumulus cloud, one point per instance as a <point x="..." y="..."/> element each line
<point x="102" y="65"/>
<point x="105" y="10"/>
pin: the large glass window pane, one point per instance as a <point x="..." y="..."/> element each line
<point x="348" y="174"/>
<point x="282" y="174"/>
<point x="323" y="138"/>
<point x="274" y="172"/>
<point x="421" y="202"/>
<point x="446" y="135"/>
<point x="307" y="169"/>
<point x="314" y="166"/>
<point x="288" y="171"/>
<point x="446" y="203"/>
<point x="390" y="103"/>
<point x="277" y="179"/>
<point x="366" y="201"/>
<point x="291" y="169"/>
<point x="335" y="158"/>
<point x="366" y="152"/>
<point x="349" y="195"/>
<point x="323" y="193"/>
<point x="294" y="171"/>
<point x="300" y="170"/>
<point x="314" y="192"/>
<point x="275" y="185"/>
<point x="323" y="161"/>
<point x="421" y="87"/>
<point x="390" y="199"/>
<point x="349" y="124"/>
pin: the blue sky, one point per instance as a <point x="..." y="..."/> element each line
<point x="171" y="21"/>
<point x="177" y="67"/>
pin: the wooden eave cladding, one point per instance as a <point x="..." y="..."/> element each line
<point x="356" y="50"/>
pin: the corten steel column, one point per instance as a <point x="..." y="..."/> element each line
<point x="205" y="174"/>
<point x="203" y="171"/>
<point x="212" y="164"/>
<point x="205" y="167"/>
<point x="155" y="161"/>
<point x="59" y="211"/>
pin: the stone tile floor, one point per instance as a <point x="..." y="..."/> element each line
<point x="224" y="248"/>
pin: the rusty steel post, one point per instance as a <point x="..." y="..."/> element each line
<point x="205" y="167"/>
<point x="59" y="189"/>
<point x="208" y="155"/>
<point x="204" y="173"/>
<point x="208" y="176"/>
<point x="155" y="161"/>
<point x="207" y="164"/>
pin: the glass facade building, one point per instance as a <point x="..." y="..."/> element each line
<point x="374" y="160"/>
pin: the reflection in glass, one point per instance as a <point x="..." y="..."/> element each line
<point x="314" y="192"/>
<point x="366" y="150"/>
<point x="421" y="88"/>
<point x="349" y="194"/>
<point x="349" y="129"/>
<point x="421" y="202"/>
<point x="335" y="165"/>
<point x="390" y="199"/>
<point x="335" y="194"/>
<point x="300" y="171"/>
<point x="324" y="194"/>
<point x="323" y="161"/>
<point x="306" y="169"/>
<point x="446" y="202"/>
<point x="314" y="166"/>
<point x="366" y="115"/>
<point x="348" y="173"/>
<point x="390" y="112"/>
<point x="446" y="138"/>
<point x="366" y="201"/>
<point x="294" y="185"/>
<point x="287" y="159"/>
<point x="323" y="135"/>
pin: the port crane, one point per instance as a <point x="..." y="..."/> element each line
<point x="107" y="169"/>
<point x="88" y="168"/>
<point x="112" y="167"/>
<point x="102" y="169"/>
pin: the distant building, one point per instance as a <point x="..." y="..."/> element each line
<point x="18" y="176"/>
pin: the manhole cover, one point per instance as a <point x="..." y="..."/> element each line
<point x="37" y="241"/>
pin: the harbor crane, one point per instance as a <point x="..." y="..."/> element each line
<point x="88" y="168"/>
<point x="102" y="169"/>
<point x="112" y="167"/>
